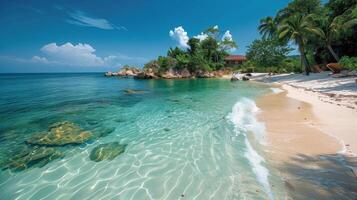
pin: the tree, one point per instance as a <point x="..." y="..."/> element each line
<point x="194" y="45"/>
<point x="332" y="28"/>
<point x="267" y="27"/>
<point x="267" y="53"/>
<point x="296" y="28"/>
<point x="166" y="63"/>
<point x="173" y="53"/>
<point x="298" y="7"/>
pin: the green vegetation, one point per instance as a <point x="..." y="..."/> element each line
<point x="322" y="33"/>
<point x="266" y="55"/>
<point x="349" y="63"/>
<point x="202" y="55"/>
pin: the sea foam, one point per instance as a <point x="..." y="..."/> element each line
<point x="244" y="120"/>
<point x="276" y="90"/>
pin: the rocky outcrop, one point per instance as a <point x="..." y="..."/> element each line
<point x="147" y="74"/>
<point x="176" y="74"/>
<point x="245" y="78"/>
<point x="169" y="74"/>
<point x="126" y="71"/>
<point x="107" y="151"/>
<point x="59" y="134"/>
<point x="204" y="74"/>
<point x="239" y="76"/>
<point x="35" y="157"/>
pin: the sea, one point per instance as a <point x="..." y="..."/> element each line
<point x="185" y="139"/>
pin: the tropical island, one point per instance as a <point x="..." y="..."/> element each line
<point x="324" y="36"/>
<point x="182" y="125"/>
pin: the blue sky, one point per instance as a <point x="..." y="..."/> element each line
<point x="77" y="36"/>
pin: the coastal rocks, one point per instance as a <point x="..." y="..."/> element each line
<point x="238" y="76"/>
<point x="60" y="134"/>
<point x="186" y="74"/>
<point x="108" y="74"/>
<point x="148" y="74"/>
<point x="176" y="74"/>
<point x="245" y="78"/>
<point x="107" y="151"/>
<point x="204" y="74"/>
<point x="125" y="71"/>
<point x="170" y="74"/>
<point x="234" y="78"/>
<point x="36" y="157"/>
<point x="128" y="72"/>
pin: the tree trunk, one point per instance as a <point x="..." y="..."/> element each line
<point x="333" y="53"/>
<point x="304" y="58"/>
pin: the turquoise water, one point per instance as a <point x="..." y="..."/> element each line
<point x="186" y="139"/>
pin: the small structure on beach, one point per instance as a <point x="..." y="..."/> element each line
<point x="235" y="60"/>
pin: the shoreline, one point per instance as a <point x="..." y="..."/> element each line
<point x="332" y="119"/>
<point x="308" y="159"/>
<point x="335" y="114"/>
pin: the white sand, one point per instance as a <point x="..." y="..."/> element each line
<point x="333" y="100"/>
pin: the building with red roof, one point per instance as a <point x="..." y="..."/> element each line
<point x="235" y="60"/>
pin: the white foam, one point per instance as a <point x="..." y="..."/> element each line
<point x="243" y="118"/>
<point x="276" y="90"/>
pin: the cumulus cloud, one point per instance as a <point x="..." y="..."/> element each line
<point x="201" y="36"/>
<point x="82" y="19"/>
<point x="227" y="36"/>
<point x="69" y="54"/>
<point x="39" y="59"/>
<point x="215" y="27"/>
<point x="74" y="55"/>
<point x="180" y="35"/>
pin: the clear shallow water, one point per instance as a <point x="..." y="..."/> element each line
<point x="187" y="139"/>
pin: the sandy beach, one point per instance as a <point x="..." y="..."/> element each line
<point x="333" y="103"/>
<point x="311" y="136"/>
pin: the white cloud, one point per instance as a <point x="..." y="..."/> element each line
<point x="69" y="54"/>
<point x="180" y="35"/>
<point x="227" y="36"/>
<point x="74" y="55"/>
<point x="201" y="36"/>
<point x="39" y="59"/>
<point x="82" y="19"/>
<point x="77" y="55"/>
<point x="215" y="27"/>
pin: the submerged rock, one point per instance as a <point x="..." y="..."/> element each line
<point x="107" y="151"/>
<point x="60" y="134"/>
<point x="35" y="157"/>
<point x="133" y="91"/>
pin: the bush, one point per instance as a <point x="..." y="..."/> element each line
<point x="349" y="62"/>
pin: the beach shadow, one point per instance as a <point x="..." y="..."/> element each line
<point x="330" y="176"/>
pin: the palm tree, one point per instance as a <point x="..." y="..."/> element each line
<point x="267" y="27"/>
<point x="296" y="28"/>
<point x="330" y="29"/>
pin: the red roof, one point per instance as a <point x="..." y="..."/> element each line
<point x="235" y="58"/>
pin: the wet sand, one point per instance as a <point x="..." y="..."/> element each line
<point x="306" y="157"/>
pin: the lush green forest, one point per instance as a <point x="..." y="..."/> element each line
<point x="323" y="33"/>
